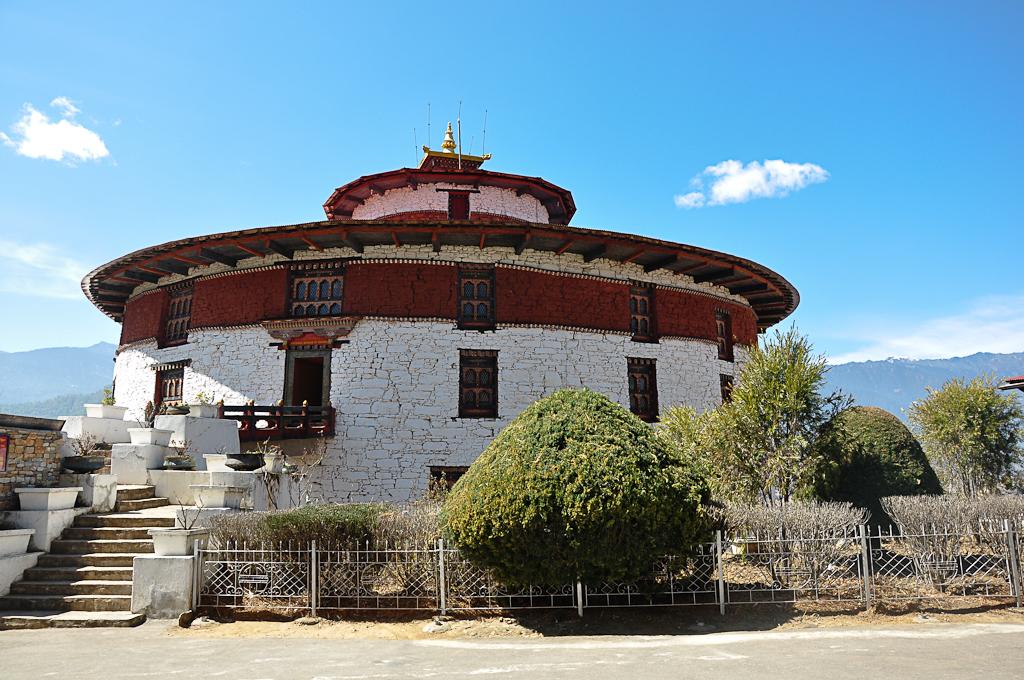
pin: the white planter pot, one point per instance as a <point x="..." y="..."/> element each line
<point x="216" y="462"/>
<point x="14" y="541"/>
<point x="203" y="410"/>
<point x="176" y="542"/>
<point x="104" y="411"/>
<point x="217" y="496"/>
<point x="149" y="435"/>
<point x="60" y="498"/>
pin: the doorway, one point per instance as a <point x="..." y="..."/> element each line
<point x="307" y="377"/>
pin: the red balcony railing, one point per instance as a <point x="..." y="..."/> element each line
<point x="258" y="423"/>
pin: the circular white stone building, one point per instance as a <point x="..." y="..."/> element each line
<point x="430" y="308"/>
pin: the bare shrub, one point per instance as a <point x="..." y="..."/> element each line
<point x="804" y="519"/>
<point x="953" y="512"/>
<point x="416" y="523"/>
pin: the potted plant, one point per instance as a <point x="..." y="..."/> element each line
<point x="180" y="540"/>
<point x="181" y="459"/>
<point x="13" y="541"/>
<point x="204" y="407"/>
<point x="87" y="457"/>
<point x="106" y="408"/>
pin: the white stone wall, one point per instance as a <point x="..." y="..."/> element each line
<point x="395" y="387"/>
<point x="494" y="200"/>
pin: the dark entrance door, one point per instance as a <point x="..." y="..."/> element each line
<point x="308" y="377"/>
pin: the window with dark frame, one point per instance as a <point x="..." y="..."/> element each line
<point x="170" y="383"/>
<point x="723" y="324"/>
<point x="478" y="383"/>
<point x="316" y="289"/>
<point x="179" y="314"/>
<point x="643" y="388"/>
<point x="641" y="312"/>
<point x="444" y="476"/>
<point x="458" y="205"/>
<point x="476" y="298"/>
<point x="725" y="385"/>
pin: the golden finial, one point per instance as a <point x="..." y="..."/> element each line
<point x="449" y="140"/>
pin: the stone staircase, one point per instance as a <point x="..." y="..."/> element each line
<point x="86" y="578"/>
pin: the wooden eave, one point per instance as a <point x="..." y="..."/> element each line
<point x="770" y="295"/>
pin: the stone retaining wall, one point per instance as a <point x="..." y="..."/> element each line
<point x="33" y="459"/>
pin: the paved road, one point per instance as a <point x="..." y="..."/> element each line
<point x="932" y="651"/>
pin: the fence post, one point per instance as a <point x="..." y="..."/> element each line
<point x="442" y="585"/>
<point x="314" y="577"/>
<point x="1013" y="556"/>
<point x="720" y="565"/>
<point x="197" y="576"/>
<point x="865" y="563"/>
<point x="579" y="598"/>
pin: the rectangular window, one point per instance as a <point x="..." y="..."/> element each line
<point x="170" y="383"/>
<point x="179" y="314"/>
<point x="723" y="323"/>
<point x="443" y="477"/>
<point x="643" y="388"/>
<point x="476" y="298"/>
<point x="725" y="385"/>
<point x="478" y="383"/>
<point x="641" y="312"/>
<point x="316" y="289"/>
<point x="458" y="205"/>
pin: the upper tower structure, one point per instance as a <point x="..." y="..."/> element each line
<point x="451" y="186"/>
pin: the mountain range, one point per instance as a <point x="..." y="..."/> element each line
<point x="56" y="381"/>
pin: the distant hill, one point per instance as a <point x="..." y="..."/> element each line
<point x="54" y="407"/>
<point x="893" y="384"/>
<point x="42" y="374"/>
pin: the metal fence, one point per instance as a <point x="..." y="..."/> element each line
<point x="859" y="567"/>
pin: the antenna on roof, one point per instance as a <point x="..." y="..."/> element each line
<point x="415" y="148"/>
<point x="472" y="144"/>
<point x="428" y="123"/>
<point x="458" y="121"/>
<point x="483" y="142"/>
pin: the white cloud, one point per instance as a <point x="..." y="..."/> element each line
<point x="734" y="182"/>
<point x="39" y="270"/>
<point x="993" y="324"/>
<point x="36" y="136"/>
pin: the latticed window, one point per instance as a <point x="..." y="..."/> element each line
<point x="641" y="313"/>
<point x="476" y="298"/>
<point x="478" y="383"/>
<point x="725" y="384"/>
<point x="169" y="385"/>
<point x="445" y="476"/>
<point x="316" y="289"/>
<point x="643" y="388"/>
<point x="723" y="323"/>
<point x="179" y="313"/>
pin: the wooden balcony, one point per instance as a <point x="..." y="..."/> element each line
<point x="259" y="423"/>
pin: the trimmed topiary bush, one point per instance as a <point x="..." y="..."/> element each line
<point x="873" y="455"/>
<point x="575" y="486"/>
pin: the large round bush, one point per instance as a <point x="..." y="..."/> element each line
<point x="874" y="455"/>
<point x="576" y="486"/>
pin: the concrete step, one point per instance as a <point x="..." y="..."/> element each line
<point x="70" y="547"/>
<point x="105" y="533"/>
<point x="142" y="504"/>
<point x="77" y="603"/>
<point x="78" y="574"/>
<point x="15" y="620"/>
<point x="43" y="588"/>
<point x="50" y="561"/>
<point x="135" y="492"/>
<point x="122" y="520"/>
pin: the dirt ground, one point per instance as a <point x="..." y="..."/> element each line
<point x="596" y="622"/>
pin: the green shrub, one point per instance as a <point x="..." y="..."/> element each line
<point x="325" y="523"/>
<point x="873" y="455"/>
<point x="575" y="486"/>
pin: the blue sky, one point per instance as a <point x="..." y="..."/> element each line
<point x="903" y="233"/>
